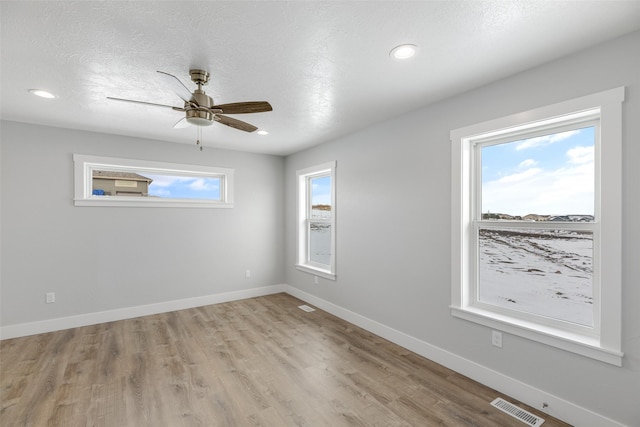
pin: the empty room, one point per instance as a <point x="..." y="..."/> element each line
<point x="320" y="213"/>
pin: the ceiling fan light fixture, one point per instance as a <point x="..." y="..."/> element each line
<point x="42" y="93"/>
<point x="199" y="118"/>
<point x="404" y="51"/>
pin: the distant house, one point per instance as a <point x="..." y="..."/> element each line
<point x="573" y="218"/>
<point x="535" y="217"/>
<point x="108" y="183"/>
<point x="500" y="216"/>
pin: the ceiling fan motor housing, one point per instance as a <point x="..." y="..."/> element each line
<point x="202" y="99"/>
<point x="200" y="116"/>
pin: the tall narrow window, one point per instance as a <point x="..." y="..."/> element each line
<point x="536" y="235"/>
<point x="316" y="220"/>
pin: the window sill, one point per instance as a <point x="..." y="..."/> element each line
<point x="316" y="271"/>
<point x="141" y="202"/>
<point x="572" y="342"/>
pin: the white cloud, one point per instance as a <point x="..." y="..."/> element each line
<point x="519" y="177"/>
<point x="581" y="155"/>
<point x="545" y="140"/>
<point x="567" y="190"/>
<point x="527" y="163"/>
<point x="201" y="184"/>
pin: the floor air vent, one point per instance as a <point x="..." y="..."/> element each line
<point x="524" y="416"/>
<point x="306" y="308"/>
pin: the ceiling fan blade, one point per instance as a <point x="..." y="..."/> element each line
<point x="182" y="123"/>
<point x="146" y="103"/>
<point x="177" y="86"/>
<point x="234" y="123"/>
<point x="244" y="107"/>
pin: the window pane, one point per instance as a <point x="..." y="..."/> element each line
<point x="542" y="272"/>
<point x="185" y="187"/>
<point x="320" y="243"/>
<point x="141" y="184"/>
<point x="548" y="177"/>
<point x="320" y="188"/>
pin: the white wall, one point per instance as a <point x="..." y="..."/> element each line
<point x="100" y="259"/>
<point x="393" y="232"/>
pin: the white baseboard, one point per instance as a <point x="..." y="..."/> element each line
<point x="51" y="325"/>
<point x="557" y="407"/>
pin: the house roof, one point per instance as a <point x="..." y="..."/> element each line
<point x="127" y="176"/>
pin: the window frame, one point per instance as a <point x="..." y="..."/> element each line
<point x="84" y="165"/>
<point x="603" y="341"/>
<point x="303" y="203"/>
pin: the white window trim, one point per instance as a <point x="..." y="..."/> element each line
<point x="605" y="346"/>
<point x="83" y="180"/>
<point x="302" y="203"/>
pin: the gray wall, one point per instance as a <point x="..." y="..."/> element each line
<point x="393" y="227"/>
<point x="393" y="223"/>
<point x="106" y="258"/>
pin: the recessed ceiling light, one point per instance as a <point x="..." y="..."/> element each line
<point x="404" y="51"/>
<point x="42" y="93"/>
<point x="263" y="132"/>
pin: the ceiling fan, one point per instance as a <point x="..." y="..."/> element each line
<point x="200" y="109"/>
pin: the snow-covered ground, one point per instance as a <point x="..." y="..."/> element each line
<point x="320" y="238"/>
<point x="543" y="272"/>
<point x="538" y="271"/>
<point x="320" y="244"/>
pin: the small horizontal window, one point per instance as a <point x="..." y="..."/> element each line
<point x="105" y="181"/>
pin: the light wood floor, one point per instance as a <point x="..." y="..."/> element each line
<point x="255" y="362"/>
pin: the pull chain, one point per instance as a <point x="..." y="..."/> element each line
<point x="198" y="142"/>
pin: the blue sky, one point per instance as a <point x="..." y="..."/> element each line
<point x="547" y="175"/>
<point x="182" y="187"/>
<point x="321" y="190"/>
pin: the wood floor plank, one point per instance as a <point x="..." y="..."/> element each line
<point x="254" y="362"/>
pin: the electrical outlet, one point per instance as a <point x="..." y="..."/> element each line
<point x="50" y="297"/>
<point x="315" y="279"/>
<point x="496" y="339"/>
<point x="247" y="274"/>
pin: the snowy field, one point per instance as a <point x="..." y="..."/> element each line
<point x="543" y="272"/>
<point x="320" y="244"/>
<point x="320" y="238"/>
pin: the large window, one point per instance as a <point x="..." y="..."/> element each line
<point x="316" y="220"/>
<point x="536" y="232"/>
<point x="105" y="181"/>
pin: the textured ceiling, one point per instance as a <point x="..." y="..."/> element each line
<point x="324" y="66"/>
